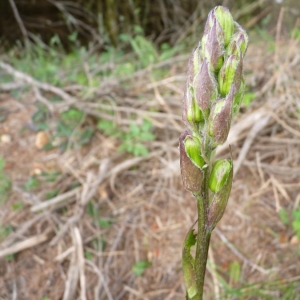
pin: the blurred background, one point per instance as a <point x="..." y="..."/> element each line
<point x="92" y="205"/>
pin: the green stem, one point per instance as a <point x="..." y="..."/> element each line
<point x="203" y="236"/>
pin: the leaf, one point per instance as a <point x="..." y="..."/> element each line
<point x="86" y="135"/>
<point x="146" y="136"/>
<point x="91" y="209"/>
<point x="73" y="116"/>
<point x="134" y="130"/>
<point x="188" y="262"/>
<point x="18" y="206"/>
<point x="63" y="130"/>
<point x="248" y="98"/>
<point x="140" y="150"/>
<point x="31" y="183"/>
<point x="283" y="215"/>
<point x="104" y="223"/>
<point x="139" y="268"/>
<point x="235" y="272"/>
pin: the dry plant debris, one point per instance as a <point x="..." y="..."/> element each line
<point x="61" y="252"/>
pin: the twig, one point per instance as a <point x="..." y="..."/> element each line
<point x="257" y="127"/>
<point x="7" y="87"/>
<point x="102" y="280"/>
<point x="73" y="277"/>
<point x="26" y="244"/>
<point x="80" y="258"/>
<point x="21" y="24"/>
<point x="41" y="85"/>
<point x="88" y="191"/>
<point x="239" y="254"/>
<point x="54" y="202"/>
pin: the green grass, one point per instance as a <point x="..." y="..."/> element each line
<point x="5" y="183"/>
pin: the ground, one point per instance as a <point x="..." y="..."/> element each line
<point x="115" y="211"/>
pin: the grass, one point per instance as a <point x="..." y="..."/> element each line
<point x="5" y="183"/>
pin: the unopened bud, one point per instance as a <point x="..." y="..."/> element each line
<point x="191" y="175"/>
<point x="213" y="46"/>
<point x="205" y="85"/>
<point x="191" y="113"/>
<point x="219" y="174"/>
<point x="230" y="73"/>
<point x="239" y="42"/>
<point x="220" y="118"/>
<point x="193" y="150"/>
<point x="237" y="101"/>
<point x="193" y="65"/>
<point x="225" y="19"/>
<point x="220" y="198"/>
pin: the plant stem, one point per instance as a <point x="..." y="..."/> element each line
<point x="203" y="236"/>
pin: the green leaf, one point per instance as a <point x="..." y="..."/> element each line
<point x="88" y="255"/>
<point x="91" y="209"/>
<point x="104" y="223"/>
<point x="146" y="126"/>
<point x="18" y="206"/>
<point x="31" y="183"/>
<point x="73" y="116"/>
<point x="140" y="150"/>
<point x="248" y="98"/>
<point x="235" y="272"/>
<point x="134" y="130"/>
<point x="188" y="262"/>
<point x="283" y="215"/>
<point x="52" y="194"/>
<point x="86" y="135"/>
<point x="63" y="130"/>
<point x="139" y="268"/>
<point x="146" y="136"/>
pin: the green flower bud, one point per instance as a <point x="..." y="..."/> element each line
<point x="234" y="49"/>
<point x="191" y="112"/>
<point x="194" y="114"/>
<point x="237" y="101"/>
<point x="193" y="151"/>
<point x="191" y="175"/>
<point x="238" y="44"/>
<point x="225" y="19"/>
<point x="206" y="89"/>
<point x="219" y="175"/>
<point x="224" y="171"/>
<point x="231" y="72"/>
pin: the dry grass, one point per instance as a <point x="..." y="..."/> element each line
<point x="143" y="196"/>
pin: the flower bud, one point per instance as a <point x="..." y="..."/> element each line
<point x="191" y="113"/>
<point x="225" y="19"/>
<point x="237" y="101"/>
<point x="193" y="150"/>
<point x="234" y="49"/>
<point x="191" y="175"/>
<point x="219" y="174"/>
<point x="205" y="85"/>
<point x="220" y="118"/>
<point x="220" y="198"/>
<point x="193" y="65"/>
<point x="231" y="72"/>
<point x="239" y="40"/>
<point x="213" y="46"/>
